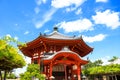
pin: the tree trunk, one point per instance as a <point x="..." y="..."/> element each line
<point x="115" y="77"/>
<point x="0" y="75"/>
<point x="5" y="73"/>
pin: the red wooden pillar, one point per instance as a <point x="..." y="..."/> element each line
<point x="72" y="77"/>
<point x="44" y="69"/>
<point x="65" y="72"/>
<point x="50" y="72"/>
<point x="47" y="75"/>
<point x="79" y="72"/>
<point x="39" y="58"/>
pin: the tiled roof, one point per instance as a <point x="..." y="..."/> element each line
<point x="65" y="49"/>
<point x="57" y="35"/>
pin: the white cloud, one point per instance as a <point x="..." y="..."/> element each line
<point x="46" y="31"/>
<point x="28" y="60"/>
<point x="105" y="60"/>
<point x="16" y="24"/>
<point x="98" y="37"/>
<point x="18" y="71"/>
<point x="79" y="11"/>
<point x="26" y="32"/>
<point x="39" y="2"/>
<point x="66" y="3"/>
<point x="44" y="1"/>
<point x="16" y="38"/>
<point x="70" y="5"/>
<point x="69" y="9"/>
<point x="37" y="10"/>
<point x="108" y="18"/>
<point x="46" y="17"/>
<point x="117" y="61"/>
<point x="101" y="0"/>
<point x="8" y="35"/>
<point x="79" y="25"/>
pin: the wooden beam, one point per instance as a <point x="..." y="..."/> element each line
<point x="65" y="71"/>
<point x="73" y="48"/>
<point x="50" y="73"/>
<point x="45" y="47"/>
<point x="79" y="72"/>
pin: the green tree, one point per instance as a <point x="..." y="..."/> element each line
<point x="11" y="75"/>
<point x="113" y="59"/>
<point x="96" y="68"/>
<point x="98" y="63"/>
<point x="9" y="56"/>
<point x="93" y="64"/>
<point x="33" y="71"/>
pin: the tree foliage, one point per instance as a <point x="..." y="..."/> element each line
<point x="113" y="59"/>
<point x="33" y="71"/>
<point x="94" y="68"/>
<point x="9" y="56"/>
<point x="93" y="64"/>
<point x="107" y="69"/>
<point x="11" y="76"/>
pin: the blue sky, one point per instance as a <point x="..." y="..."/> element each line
<point x="98" y="21"/>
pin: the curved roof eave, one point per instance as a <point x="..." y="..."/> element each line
<point x="53" y="36"/>
<point x="88" y="48"/>
<point x="72" y="55"/>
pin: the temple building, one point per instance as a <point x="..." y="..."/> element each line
<point x="59" y="56"/>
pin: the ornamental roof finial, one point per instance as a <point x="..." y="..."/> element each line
<point x="55" y="28"/>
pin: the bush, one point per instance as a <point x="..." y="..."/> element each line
<point x="33" y="71"/>
<point x="11" y="76"/>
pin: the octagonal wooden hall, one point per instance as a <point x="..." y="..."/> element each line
<point x="59" y="56"/>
